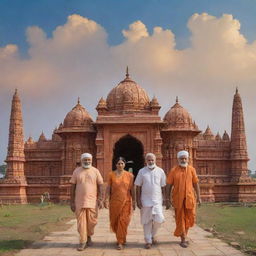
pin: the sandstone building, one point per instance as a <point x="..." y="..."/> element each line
<point x="128" y="124"/>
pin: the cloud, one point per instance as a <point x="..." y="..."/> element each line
<point x="218" y="46"/>
<point x="8" y="52"/>
<point x="76" y="60"/>
<point x="137" y="30"/>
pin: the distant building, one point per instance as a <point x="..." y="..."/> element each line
<point x="128" y="124"/>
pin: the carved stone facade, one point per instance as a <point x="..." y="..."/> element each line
<point x="128" y="124"/>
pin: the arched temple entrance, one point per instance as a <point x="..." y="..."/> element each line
<point x="132" y="150"/>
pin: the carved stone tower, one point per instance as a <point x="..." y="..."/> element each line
<point x="14" y="187"/>
<point x="239" y="156"/>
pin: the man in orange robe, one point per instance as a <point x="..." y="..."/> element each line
<point x="184" y="181"/>
<point x="84" y="189"/>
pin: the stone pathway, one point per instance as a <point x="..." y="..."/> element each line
<point x="65" y="243"/>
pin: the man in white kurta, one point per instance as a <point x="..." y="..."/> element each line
<point x="150" y="182"/>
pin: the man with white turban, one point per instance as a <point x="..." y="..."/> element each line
<point x="86" y="181"/>
<point x="184" y="181"/>
<point x="150" y="185"/>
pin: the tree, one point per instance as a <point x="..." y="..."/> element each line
<point x="2" y="170"/>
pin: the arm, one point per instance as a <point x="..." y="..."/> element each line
<point x="197" y="189"/>
<point x="72" y="197"/>
<point x="133" y="194"/>
<point x="168" y="196"/>
<point x="100" y="196"/>
<point x="107" y="197"/>
<point x="164" y="194"/>
<point x="138" y="196"/>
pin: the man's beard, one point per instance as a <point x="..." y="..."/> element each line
<point x="86" y="166"/>
<point x="183" y="164"/>
<point x="151" y="166"/>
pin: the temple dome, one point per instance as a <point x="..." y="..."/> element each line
<point x="178" y="118"/>
<point x="128" y="95"/>
<point x="78" y="116"/>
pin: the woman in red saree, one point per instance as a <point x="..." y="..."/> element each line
<point x="120" y="192"/>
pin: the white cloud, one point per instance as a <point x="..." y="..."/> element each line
<point x="137" y="30"/>
<point x="8" y="52"/>
<point x="77" y="60"/>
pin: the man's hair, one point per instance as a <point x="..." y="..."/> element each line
<point x="150" y="154"/>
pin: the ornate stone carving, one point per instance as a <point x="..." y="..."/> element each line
<point x="47" y="165"/>
<point x="128" y="95"/>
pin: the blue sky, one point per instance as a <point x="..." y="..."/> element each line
<point x="115" y="15"/>
<point x="51" y="73"/>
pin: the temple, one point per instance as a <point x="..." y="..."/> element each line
<point x="128" y="124"/>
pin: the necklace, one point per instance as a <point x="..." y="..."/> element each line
<point x="119" y="173"/>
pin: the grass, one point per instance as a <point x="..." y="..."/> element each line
<point x="21" y="225"/>
<point x="231" y="223"/>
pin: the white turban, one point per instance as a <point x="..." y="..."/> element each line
<point x="183" y="153"/>
<point x="86" y="155"/>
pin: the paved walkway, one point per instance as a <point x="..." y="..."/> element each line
<point x="65" y="243"/>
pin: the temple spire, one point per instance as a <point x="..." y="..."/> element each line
<point x="127" y="72"/>
<point x="177" y="99"/>
<point x="78" y="100"/>
<point x="15" y="156"/>
<point x="238" y="138"/>
<point x="16" y="137"/>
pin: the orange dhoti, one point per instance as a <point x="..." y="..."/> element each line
<point x="120" y="204"/>
<point x="185" y="219"/>
<point x="86" y="222"/>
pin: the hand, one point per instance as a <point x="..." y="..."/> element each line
<point x="168" y="204"/>
<point x="73" y="207"/>
<point x="139" y="205"/>
<point x="133" y="205"/>
<point x="106" y="204"/>
<point x="199" y="201"/>
<point x="100" y="204"/>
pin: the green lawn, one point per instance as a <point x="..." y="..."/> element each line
<point x="23" y="224"/>
<point x="231" y="223"/>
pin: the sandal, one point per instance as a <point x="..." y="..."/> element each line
<point x="81" y="247"/>
<point x="89" y="241"/>
<point x="183" y="244"/>
<point x="147" y="246"/>
<point x="120" y="247"/>
<point x="154" y="241"/>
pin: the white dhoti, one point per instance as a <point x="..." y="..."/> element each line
<point x="151" y="219"/>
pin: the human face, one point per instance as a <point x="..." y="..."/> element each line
<point x="86" y="162"/>
<point x="150" y="162"/>
<point x="183" y="161"/>
<point x="120" y="165"/>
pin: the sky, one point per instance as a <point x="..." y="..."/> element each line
<point x="56" y="51"/>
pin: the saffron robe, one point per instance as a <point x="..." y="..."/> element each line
<point x="183" y="197"/>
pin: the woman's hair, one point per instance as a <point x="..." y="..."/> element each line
<point x="120" y="158"/>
